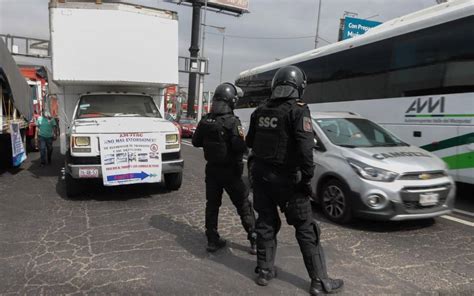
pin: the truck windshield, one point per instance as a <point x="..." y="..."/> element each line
<point x="357" y="132"/>
<point x="116" y="105"/>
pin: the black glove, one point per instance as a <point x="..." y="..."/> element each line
<point x="305" y="187"/>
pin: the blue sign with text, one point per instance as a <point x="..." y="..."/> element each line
<point x="355" y="26"/>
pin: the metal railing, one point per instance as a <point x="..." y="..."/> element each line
<point x="27" y="46"/>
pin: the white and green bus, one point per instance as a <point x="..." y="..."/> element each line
<point x="414" y="75"/>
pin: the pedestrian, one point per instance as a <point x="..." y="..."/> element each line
<point x="221" y="136"/>
<point x="282" y="140"/>
<point x="46" y="133"/>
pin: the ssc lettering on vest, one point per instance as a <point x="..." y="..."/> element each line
<point x="399" y="154"/>
<point x="271" y="122"/>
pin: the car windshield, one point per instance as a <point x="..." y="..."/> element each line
<point x="92" y="106"/>
<point x="187" y="121"/>
<point x="357" y="132"/>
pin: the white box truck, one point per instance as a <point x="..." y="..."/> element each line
<point x="111" y="63"/>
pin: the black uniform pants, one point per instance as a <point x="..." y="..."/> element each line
<point x="228" y="178"/>
<point x="273" y="190"/>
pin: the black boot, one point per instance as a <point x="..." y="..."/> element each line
<point x="265" y="276"/>
<point x="319" y="287"/>
<point x="215" y="245"/>
<point x="253" y="243"/>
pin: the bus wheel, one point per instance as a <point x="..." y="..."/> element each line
<point x="173" y="181"/>
<point x="335" y="201"/>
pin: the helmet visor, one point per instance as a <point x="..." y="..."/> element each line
<point x="284" y="91"/>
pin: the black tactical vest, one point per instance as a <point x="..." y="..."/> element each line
<point x="215" y="144"/>
<point x="272" y="143"/>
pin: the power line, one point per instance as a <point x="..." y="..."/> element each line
<point x="271" y="38"/>
<point x="263" y="37"/>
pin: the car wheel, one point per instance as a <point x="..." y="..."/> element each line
<point x="72" y="186"/>
<point x="335" y="201"/>
<point x="173" y="181"/>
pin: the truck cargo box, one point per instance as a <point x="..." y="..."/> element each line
<point x="113" y="44"/>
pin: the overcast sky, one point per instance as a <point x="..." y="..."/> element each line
<point x="267" y="18"/>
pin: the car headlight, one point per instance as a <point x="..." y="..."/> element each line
<point x="81" y="141"/>
<point x="446" y="167"/>
<point x="371" y="173"/>
<point x="172" y="138"/>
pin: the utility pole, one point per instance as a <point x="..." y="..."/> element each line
<point x="222" y="56"/>
<point x="317" y="25"/>
<point x="201" y="77"/>
<point x="194" y="51"/>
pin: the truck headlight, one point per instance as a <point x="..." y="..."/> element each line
<point x="81" y="144"/>
<point x="172" y="141"/>
<point x="172" y="138"/>
<point x="81" y="141"/>
<point x="371" y="173"/>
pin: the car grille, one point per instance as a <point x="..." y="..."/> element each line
<point x="411" y="196"/>
<point x="423" y="175"/>
<point x="96" y="159"/>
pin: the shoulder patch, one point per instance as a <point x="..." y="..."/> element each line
<point x="307" y="126"/>
<point x="301" y="103"/>
<point x="241" y="131"/>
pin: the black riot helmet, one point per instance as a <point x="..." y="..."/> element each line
<point x="225" y="97"/>
<point x="289" y="82"/>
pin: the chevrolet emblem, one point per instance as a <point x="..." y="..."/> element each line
<point x="424" y="176"/>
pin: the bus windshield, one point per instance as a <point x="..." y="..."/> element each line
<point x="116" y="105"/>
<point x="357" y="132"/>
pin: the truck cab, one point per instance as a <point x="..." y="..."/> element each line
<point x="118" y="113"/>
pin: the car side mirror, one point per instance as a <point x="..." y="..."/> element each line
<point x="318" y="146"/>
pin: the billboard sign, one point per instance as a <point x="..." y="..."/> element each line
<point x="355" y="26"/>
<point x="238" y="6"/>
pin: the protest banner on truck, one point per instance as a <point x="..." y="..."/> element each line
<point x="131" y="158"/>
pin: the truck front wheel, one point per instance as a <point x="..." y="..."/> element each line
<point x="173" y="181"/>
<point x="72" y="186"/>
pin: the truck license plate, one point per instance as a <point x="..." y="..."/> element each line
<point x="429" y="199"/>
<point x="88" y="173"/>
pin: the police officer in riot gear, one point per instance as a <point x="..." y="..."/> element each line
<point x="221" y="136"/>
<point x="282" y="139"/>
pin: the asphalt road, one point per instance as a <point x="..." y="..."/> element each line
<point x="144" y="239"/>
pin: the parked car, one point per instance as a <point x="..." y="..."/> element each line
<point x="170" y="118"/>
<point x="188" y="126"/>
<point x="362" y="170"/>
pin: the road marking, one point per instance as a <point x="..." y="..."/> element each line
<point x="187" y="143"/>
<point x="470" y="214"/>
<point x="458" y="220"/>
